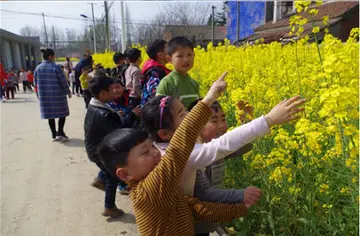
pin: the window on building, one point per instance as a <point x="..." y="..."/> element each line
<point x="287" y="8"/>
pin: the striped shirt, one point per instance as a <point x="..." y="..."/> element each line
<point x="160" y="207"/>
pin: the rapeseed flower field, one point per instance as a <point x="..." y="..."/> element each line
<point x="308" y="170"/>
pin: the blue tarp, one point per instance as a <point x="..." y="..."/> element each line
<point x="251" y="16"/>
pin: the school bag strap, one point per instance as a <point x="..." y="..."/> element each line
<point x="160" y="71"/>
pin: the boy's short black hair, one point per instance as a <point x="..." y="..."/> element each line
<point x="215" y="106"/>
<point x="150" y="114"/>
<point x="155" y="47"/>
<point x="118" y="57"/>
<point x="100" y="83"/>
<point x="133" y="54"/>
<point x="179" y="42"/>
<point x="126" y="52"/>
<point x="114" y="149"/>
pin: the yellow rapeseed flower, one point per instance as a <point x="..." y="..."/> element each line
<point x="314" y="12"/>
<point x="323" y="188"/>
<point x="316" y="29"/>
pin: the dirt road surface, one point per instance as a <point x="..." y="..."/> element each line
<point x="45" y="185"/>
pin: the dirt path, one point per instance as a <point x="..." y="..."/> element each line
<point x="44" y="185"/>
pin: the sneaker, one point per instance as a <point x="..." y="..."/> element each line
<point x="113" y="212"/>
<point x="63" y="137"/>
<point x="78" y="95"/>
<point x="123" y="190"/>
<point x="99" y="184"/>
<point x="55" y="137"/>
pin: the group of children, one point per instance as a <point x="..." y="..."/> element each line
<point x="10" y="81"/>
<point x="170" y="151"/>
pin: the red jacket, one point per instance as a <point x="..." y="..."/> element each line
<point x="3" y="75"/>
<point x="30" y="77"/>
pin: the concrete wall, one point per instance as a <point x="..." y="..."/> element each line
<point x="17" y="52"/>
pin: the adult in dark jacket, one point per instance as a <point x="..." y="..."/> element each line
<point x="100" y="120"/>
<point x="86" y="61"/>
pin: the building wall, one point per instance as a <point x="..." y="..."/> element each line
<point x="7" y="55"/>
<point x="349" y="22"/>
<point x="17" y="54"/>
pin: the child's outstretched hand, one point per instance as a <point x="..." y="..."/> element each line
<point x="251" y="196"/>
<point x="217" y="88"/>
<point x="285" y="111"/>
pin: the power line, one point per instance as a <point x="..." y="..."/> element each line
<point x="72" y="17"/>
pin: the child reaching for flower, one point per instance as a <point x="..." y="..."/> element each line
<point x="160" y="207"/>
<point x="162" y="115"/>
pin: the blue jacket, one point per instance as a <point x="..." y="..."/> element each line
<point x="52" y="90"/>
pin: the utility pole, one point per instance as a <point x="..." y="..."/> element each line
<point x="46" y="35"/>
<point x="237" y="21"/>
<point x="123" y="28"/>
<point x="107" y="25"/>
<point x="94" y="33"/>
<point x="213" y="25"/>
<point x="54" y="38"/>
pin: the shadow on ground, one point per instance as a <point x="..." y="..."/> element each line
<point x="128" y="218"/>
<point x="74" y="142"/>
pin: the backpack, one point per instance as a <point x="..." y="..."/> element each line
<point x="119" y="73"/>
<point x="160" y="71"/>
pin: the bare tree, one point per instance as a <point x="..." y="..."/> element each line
<point x="29" y="31"/>
<point x="71" y="34"/>
<point x="185" y="14"/>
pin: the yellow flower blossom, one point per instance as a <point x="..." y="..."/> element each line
<point x="316" y="29"/>
<point x="344" y="190"/>
<point x="325" y="20"/>
<point x="323" y="188"/>
<point x="314" y="12"/>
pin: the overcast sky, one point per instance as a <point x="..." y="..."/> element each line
<point x="140" y="11"/>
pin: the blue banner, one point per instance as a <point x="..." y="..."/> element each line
<point x="250" y="14"/>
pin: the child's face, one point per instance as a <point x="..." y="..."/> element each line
<point x="182" y="59"/>
<point x="215" y="127"/>
<point x="29" y="72"/>
<point x="178" y="113"/>
<point x="161" y="56"/>
<point x="117" y="90"/>
<point x="222" y="127"/>
<point x="138" y="62"/>
<point x="121" y="62"/>
<point x="142" y="159"/>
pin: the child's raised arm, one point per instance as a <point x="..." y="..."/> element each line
<point x="206" y="154"/>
